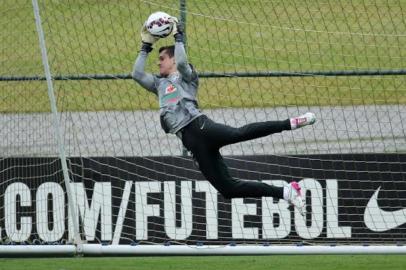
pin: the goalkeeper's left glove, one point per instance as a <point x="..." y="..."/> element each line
<point x="177" y="30"/>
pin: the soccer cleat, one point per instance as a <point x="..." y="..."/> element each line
<point x="303" y="120"/>
<point x="293" y="194"/>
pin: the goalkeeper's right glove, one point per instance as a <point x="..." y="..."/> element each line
<point x="147" y="39"/>
<point x="177" y="30"/>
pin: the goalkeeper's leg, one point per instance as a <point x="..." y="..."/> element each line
<point x="221" y="135"/>
<point x="214" y="169"/>
<point x="203" y="137"/>
<point x="212" y="165"/>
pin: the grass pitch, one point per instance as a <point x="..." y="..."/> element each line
<point x="102" y="37"/>
<point x="297" y="262"/>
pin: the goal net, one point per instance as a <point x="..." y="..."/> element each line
<point x="127" y="185"/>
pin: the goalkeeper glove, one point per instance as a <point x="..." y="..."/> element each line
<point x="177" y="30"/>
<point x="147" y="39"/>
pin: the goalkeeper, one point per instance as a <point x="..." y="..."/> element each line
<point x="176" y="88"/>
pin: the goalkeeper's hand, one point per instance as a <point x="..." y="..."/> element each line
<point x="177" y="30"/>
<point x="147" y="39"/>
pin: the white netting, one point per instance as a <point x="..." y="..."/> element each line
<point x="131" y="181"/>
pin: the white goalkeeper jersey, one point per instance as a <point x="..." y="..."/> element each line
<point x="177" y="93"/>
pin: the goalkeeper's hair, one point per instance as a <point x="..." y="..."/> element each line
<point x="169" y="50"/>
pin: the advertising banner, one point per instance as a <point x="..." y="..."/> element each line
<point x="349" y="198"/>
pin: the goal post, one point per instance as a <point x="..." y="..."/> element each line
<point x="86" y="169"/>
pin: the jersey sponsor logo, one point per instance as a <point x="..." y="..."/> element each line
<point x="171" y="95"/>
<point x="170" y="89"/>
<point x="379" y="220"/>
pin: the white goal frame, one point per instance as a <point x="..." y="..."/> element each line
<point x="77" y="246"/>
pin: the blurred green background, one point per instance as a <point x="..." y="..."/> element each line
<point x="102" y="37"/>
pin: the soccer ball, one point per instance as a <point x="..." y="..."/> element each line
<point x="159" y="25"/>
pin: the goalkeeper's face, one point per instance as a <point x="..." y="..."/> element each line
<point x="166" y="64"/>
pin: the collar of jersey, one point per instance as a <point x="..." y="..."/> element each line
<point x="173" y="76"/>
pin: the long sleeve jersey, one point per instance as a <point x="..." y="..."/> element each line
<point x="176" y="93"/>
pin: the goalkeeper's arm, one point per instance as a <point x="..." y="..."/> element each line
<point x="146" y="80"/>
<point x="182" y="64"/>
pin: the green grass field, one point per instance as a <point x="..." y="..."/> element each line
<point x="98" y="37"/>
<point x="298" y="262"/>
